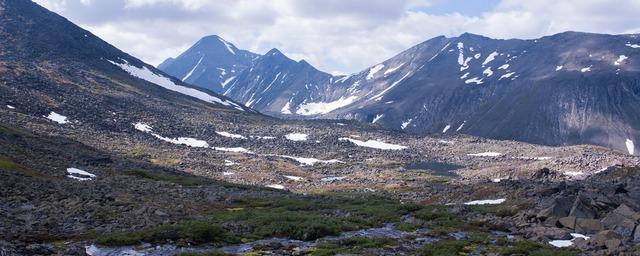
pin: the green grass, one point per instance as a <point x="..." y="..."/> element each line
<point x="299" y="218"/>
<point x="213" y="253"/>
<point x="183" y="179"/>
<point x="352" y="245"/>
<point x="8" y="165"/>
<point x="447" y="248"/>
<point x="197" y="232"/>
<point x="13" y="131"/>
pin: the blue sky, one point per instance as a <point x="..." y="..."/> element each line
<point x="337" y="36"/>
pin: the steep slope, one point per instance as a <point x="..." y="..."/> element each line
<point x="569" y="88"/>
<point x="49" y="64"/>
<point x="276" y="82"/>
<point x="211" y="63"/>
<point x="564" y="89"/>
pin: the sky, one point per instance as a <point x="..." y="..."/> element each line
<point x="336" y="36"/>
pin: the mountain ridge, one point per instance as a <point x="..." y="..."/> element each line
<point x="396" y="92"/>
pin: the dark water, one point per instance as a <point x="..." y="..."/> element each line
<point x="438" y="168"/>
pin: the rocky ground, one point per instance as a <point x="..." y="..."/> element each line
<point x="143" y="183"/>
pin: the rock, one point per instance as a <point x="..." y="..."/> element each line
<point x="582" y="208"/>
<point x="588" y="225"/>
<point x="560" y="208"/>
<point x="160" y="213"/>
<point x="636" y="234"/>
<point x="601" y="238"/>
<point x="550" y="233"/>
<point x="544" y="173"/>
<point x="612" y="244"/>
<point x="622" y="220"/>
<point x="568" y="222"/>
<point x="627" y="212"/>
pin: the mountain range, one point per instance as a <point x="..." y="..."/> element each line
<point x="565" y="89"/>
<point x="103" y="154"/>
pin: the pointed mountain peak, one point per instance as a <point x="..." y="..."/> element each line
<point x="467" y="35"/>
<point x="274" y="52"/>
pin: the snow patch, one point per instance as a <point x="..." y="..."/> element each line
<point x="231" y="135"/>
<point x="308" y="160"/>
<point x="142" y="127"/>
<point x="193" y="69"/>
<point x="374" y="144"/>
<point x="406" y="123"/>
<point x="567" y="243"/>
<point x="488" y="72"/>
<point x="505" y="66"/>
<point x="379" y="95"/>
<point x="558" y="68"/>
<point x="316" y="108"/>
<point x="391" y="70"/>
<point x="507" y="75"/>
<point x="630" y="146"/>
<point x="486" y="154"/>
<point x="485" y="202"/>
<point x="162" y="81"/>
<point x="180" y="141"/>
<point x="330" y="179"/>
<point x="297" y="136"/>
<point x="233" y="150"/>
<point x="80" y="175"/>
<point x="574" y="173"/>
<point x="461" y="126"/>
<point x="446" y="128"/>
<point x="11" y="107"/>
<point x="228" y="46"/>
<point x="474" y="80"/>
<point x="465" y="75"/>
<point x="374" y="70"/>
<point x="53" y="116"/>
<point x="229" y="163"/>
<point x="378" y="117"/>
<point x="275" y="186"/>
<point x="621" y="59"/>
<point x="587" y="69"/>
<point x="286" y="109"/>
<point x="294" y="178"/>
<point x="223" y="84"/>
<point x="634" y="46"/>
<point x="490" y="58"/>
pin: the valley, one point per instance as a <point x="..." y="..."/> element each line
<point x="103" y="154"/>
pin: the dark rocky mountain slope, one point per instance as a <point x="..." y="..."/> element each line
<point x="566" y="89"/>
<point x="211" y="63"/>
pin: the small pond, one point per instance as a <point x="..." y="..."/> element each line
<point x="437" y="168"/>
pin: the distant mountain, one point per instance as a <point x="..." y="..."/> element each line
<point x="275" y="82"/>
<point x="568" y="88"/>
<point x="211" y="63"/>
<point x="564" y="89"/>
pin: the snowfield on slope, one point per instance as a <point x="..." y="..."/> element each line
<point x="162" y="81"/>
<point x="296" y="136"/>
<point x="485" y="202"/>
<point x="53" y="116"/>
<point x="317" y="108"/>
<point x="75" y="172"/>
<point x="374" y="144"/>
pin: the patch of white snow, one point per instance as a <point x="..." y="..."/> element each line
<point x="374" y="144"/>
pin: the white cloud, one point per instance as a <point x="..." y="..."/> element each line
<point x="337" y="35"/>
